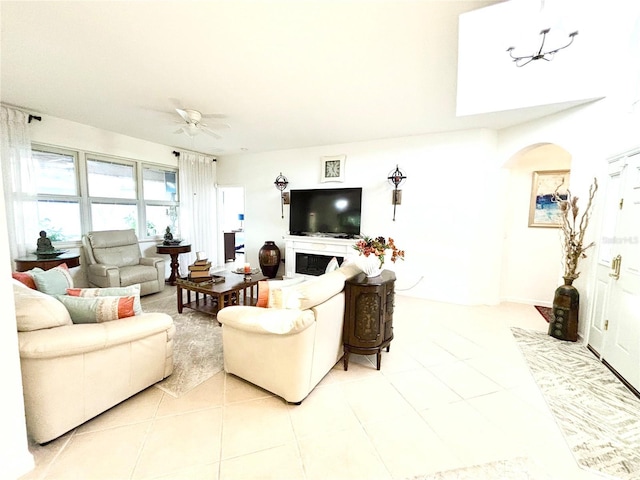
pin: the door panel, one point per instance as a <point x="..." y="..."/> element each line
<point x="606" y="247"/>
<point x="622" y="345"/>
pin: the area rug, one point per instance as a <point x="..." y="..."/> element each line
<point x="598" y="415"/>
<point x="512" y="469"/>
<point x="546" y="312"/>
<point x="197" y="348"/>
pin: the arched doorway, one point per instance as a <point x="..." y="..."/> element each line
<point x="531" y="260"/>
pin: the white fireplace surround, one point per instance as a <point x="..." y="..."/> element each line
<point x="317" y="245"/>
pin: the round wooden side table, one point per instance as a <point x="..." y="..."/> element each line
<point x="32" y="261"/>
<point x="173" y="251"/>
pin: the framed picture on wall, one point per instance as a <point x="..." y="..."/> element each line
<point x="332" y="168"/>
<point x="544" y="210"/>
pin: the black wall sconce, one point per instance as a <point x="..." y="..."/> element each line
<point x="281" y="184"/>
<point x="396" y="178"/>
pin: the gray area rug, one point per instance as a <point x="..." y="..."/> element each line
<point x="598" y="415"/>
<point x="197" y="349"/>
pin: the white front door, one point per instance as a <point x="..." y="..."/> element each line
<point x="622" y="346"/>
<point x="612" y="192"/>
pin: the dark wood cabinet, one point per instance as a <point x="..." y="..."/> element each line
<point x="368" y="316"/>
<point x="229" y="246"/>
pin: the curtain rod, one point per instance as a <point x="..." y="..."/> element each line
<point x="23" y="110"/>
<point x="177" y="154"/>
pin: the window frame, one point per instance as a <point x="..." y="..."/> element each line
<point x="85" y="202"/>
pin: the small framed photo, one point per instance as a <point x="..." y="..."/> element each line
<point x="544" y="210"/>
<point x="333" y="168"/>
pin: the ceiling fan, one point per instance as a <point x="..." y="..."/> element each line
<point x="192" y="123"/>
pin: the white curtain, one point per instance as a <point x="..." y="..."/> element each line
<point x="197" y="211"/>
<point x="18" y="176"/>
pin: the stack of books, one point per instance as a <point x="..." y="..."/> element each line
<point x="200" y="270"/>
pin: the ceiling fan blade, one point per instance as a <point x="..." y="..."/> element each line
<point x="183" y="114"/>
<point x="213" y="115"/>
<point x="210" y="132"/>
<point x="216" y="125"/>
<point x="176" y="102"/>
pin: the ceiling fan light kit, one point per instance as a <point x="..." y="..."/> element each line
<point x="193" y="123"/>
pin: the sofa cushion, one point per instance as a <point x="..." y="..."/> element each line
<point x="27" y="277"/>
<point x="265" y="320"/>
<point x="97" y="309"/>
<point x="54" y="281"/>
<point x="36" y="310"/>
<point x="133" y="290"/>
<point x="320" y="289"/>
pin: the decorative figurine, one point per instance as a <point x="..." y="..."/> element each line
<point x="44" y="244"/>
<point x="168" y="237"/>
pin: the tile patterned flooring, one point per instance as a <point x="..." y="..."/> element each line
<point x="453" y="392"/>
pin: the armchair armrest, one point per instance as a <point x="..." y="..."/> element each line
<point x="88" y="337"/>
<point x="151" y="261"/>
<point x="102" y="270"/>
<point x="268" y="321"/>
<point x="103" y="276"/>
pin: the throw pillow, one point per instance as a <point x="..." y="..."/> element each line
<point x="267" y="287"/>
<point x="36" y="310"/>
<point x="287" y="298"/>
<point x="97" y="309"/>
<point x="133" y="290"/>
<point x="54" y="281"/>
<point x="332" y="265"/>
<point x="27" y="277"/>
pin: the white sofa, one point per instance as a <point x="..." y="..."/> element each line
<point x="288" y="351"/>
<point x="73" y="372"/>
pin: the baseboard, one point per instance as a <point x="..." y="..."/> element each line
<point x="527" y="301"/>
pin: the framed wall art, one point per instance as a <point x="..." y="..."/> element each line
<point x="543" y="209"/>
<point x="333" y="168"/>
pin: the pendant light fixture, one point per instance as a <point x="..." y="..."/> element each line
<point x="547" y="21"/>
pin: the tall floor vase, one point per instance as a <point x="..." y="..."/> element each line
<point x="564" y="322"/>
<point x="269" y="258"/>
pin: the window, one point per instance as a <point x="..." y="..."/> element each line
<point x="58" y="201"/>
<point x="160" y="199"/>
<point x="79" y="192"/>
<point x="112" y="195"/>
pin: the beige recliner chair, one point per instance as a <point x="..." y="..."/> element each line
<point x="114" y="260"/>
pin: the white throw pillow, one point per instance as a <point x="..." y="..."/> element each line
<point x="36" y="310"/>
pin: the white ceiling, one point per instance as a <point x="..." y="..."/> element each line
<point x="285" y="74"/>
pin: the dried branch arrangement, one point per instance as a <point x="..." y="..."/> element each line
<point x="573" y="229"/>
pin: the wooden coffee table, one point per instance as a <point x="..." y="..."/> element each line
<point x="237" y="289"/>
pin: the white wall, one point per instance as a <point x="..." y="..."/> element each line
<point x="448" y="223"/>
<point x="64" y="133"/>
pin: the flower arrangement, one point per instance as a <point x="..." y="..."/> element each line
<point x="378" y="246"/>
<point x="573" y="229"/>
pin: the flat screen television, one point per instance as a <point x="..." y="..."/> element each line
<point x="329" y="211"/>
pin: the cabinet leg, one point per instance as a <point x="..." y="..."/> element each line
<point x="378" y="359"/>
<point x="388" y="348"/>
<point x="345" y="360"/>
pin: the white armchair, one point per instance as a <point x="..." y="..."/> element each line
<point x="114" y="260"/>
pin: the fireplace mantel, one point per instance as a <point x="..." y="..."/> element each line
<point x="327" y="246"/>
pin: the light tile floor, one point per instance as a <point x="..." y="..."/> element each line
<point x="454" y="391"/>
